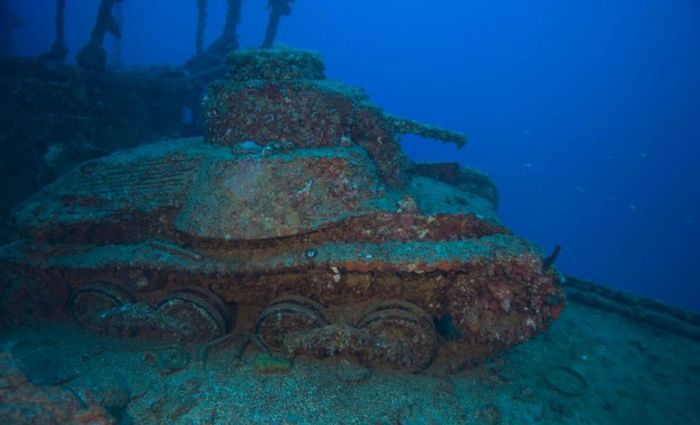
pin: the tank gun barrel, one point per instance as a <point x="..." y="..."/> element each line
<point x="406" y="126"/>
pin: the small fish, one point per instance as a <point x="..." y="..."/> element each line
<point x="632" y="207"/>
<point x="579" y="188"/>
<point x="643" y="154"/>
<point x="689" y="221"/>
<point x="609" y="157"/>
<point x="527" y="164"/>
<point x="525" y="132"/>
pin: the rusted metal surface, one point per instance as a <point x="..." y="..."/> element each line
<point x="202" y="237"/>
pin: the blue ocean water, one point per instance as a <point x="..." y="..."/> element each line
<point x="278" y="271"/>
<point x="584" y="112"/>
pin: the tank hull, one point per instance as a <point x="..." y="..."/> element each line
<point x="483" y="295"/>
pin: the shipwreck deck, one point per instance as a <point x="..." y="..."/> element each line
<point x="593" y="367"/>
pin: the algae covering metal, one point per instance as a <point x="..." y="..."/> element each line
<point x="295" y="104"/>
<point x="316" y="237"/>
<point x="267" y="195"/>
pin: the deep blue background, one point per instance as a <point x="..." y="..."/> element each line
<point x="585" y="112"/>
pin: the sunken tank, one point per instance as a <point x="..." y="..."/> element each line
<point x="297" y="220"/>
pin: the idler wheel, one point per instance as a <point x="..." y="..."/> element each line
<point x="288" y="316"/>
<point x="196" y="314"/>
<point x="89" y="303"/>
<point x="404" y="339"/>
